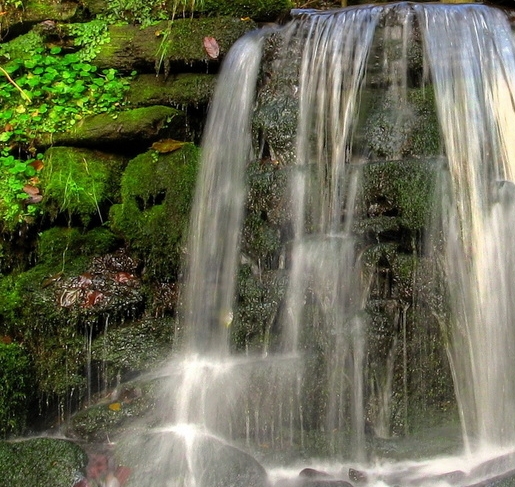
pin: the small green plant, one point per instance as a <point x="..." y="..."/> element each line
<point x="89" y="37"/>
<point x="142" y="12"/>
<point x="15" y="178"/>
<point x="45" y="94"/>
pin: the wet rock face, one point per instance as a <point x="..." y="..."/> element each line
<point x="395" y="158"/>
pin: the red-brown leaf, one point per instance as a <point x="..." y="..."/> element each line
<point x="93" y="298"/>
<point x="212" y="48"/>
<point x="37" y="164"/>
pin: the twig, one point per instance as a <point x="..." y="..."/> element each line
<point x="23" y="94"/>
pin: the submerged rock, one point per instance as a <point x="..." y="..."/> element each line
<point x="190" y="457"/>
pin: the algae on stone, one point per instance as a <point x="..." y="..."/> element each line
<point x="15" y="18"/>
<point x="399" y="189"/>
<point x="133" y="348"/>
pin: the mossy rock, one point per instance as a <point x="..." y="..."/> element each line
<point x="401" y="190"/>
<point x="79" y="181"/>
<point x="259" y="300"/>
<point x="60" y="252"/>
<point x="31" y="311"/>
<point x="122" y="131"/>
<point x="194" y="458"/>
<point x="132" y="349"/>
<point x="41" y="462"/>
<point x="114" y="415"/>
<point x="21" y="47"/>
<point x="157" y="191"/>
<point x="168" y="46"/>
<point x="274" y="124"/>
<point x="183" y="90"/>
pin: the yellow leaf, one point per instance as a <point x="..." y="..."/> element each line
<point x="115" y="406"/>
<point x="167" y="145"/>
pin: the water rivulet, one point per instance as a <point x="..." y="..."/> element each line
<point x="348" y="294"/>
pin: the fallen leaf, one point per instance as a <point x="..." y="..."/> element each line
<point x="92" y="298"/>
<point x="6" y="339"/>
<point x="212" y="48"/>
<point x="167" y="145"/>
<point x="115" y="406"/>
<point x="30" y="190"/>
<point x="84" y="280"/>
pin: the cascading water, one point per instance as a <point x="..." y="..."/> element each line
<point x="324" y="376"/>
<point x="475" y="89"/>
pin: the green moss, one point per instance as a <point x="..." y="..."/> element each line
<point x="16" y="383"/>
<point x="179" y="41"/>
<point x="78" y="182"/>
<point x="182" y="39"/>
<point x="60" y="248"/>
<point x="255" y="9"/>
<point x="41" y="462"/>
<point x="156" y="195"/>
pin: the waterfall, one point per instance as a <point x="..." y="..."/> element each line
<point x="331" y="309"/>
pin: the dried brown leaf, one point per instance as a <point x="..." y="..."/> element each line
<point x="212" y="48"/>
